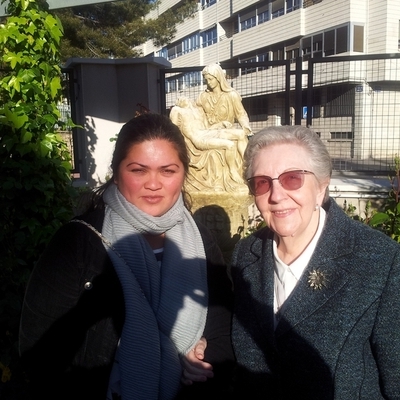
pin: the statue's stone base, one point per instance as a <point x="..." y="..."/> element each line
<point x="225" y="214"/>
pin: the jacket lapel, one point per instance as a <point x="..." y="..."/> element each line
<point x="325" y="265"/>
<point x="260" y="273"/>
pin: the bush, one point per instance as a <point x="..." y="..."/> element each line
<point x="387" y="220"/>
<point x="35" y="165"/>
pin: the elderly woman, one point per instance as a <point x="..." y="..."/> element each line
<point x="317" y="304"/>
<point x="317" y="308"/>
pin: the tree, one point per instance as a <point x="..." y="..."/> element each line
<point x="112" y="30"/>
<point x="35" y="167"/>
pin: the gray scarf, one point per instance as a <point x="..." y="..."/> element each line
<point x="165" y="308"/>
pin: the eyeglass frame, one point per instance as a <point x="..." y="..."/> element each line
<point x="269" y="179"/>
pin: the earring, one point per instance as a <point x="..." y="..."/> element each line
<point x="316" y="207"/>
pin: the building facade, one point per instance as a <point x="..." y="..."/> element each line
<point x="246" y="31"/>
<point x="355" y="92"/>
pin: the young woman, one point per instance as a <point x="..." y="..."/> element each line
<point x="124" y="292"/>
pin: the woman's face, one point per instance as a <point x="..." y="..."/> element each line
<point x="151" y="176"/>
<point x="212" y="81"/>
<point x="288" y="212"/>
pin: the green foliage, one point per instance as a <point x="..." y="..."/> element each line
<point x="351" y="211"/>
<point x="35" y="165"/>
<point x="113" y="29"/>
<point x="387" y="220"/>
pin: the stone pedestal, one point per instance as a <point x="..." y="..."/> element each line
<point x="225" y="214"/>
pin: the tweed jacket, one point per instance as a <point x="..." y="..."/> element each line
<point x="341" y="341"/>
<point x="73" y="315"/>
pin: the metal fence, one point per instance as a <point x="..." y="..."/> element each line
<point x="352" y="102"/>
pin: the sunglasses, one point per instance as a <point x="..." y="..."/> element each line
<point x="290" y="180"/>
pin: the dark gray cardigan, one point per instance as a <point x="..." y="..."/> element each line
<point x="340" y="342"/>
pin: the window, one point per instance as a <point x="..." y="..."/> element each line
<point x="292" y="54"/>
<point x="247" y="20"/>
<point x="263" y="14"/>
<point x="306" y="48"/>
<point x="245" y="71"/>
<point x="209" y="37"/>
<point x="358" y="38"/>
<point x="263" y="17"/>
<point x="170" y="85"/>
<point x="266" y="11"/>
<point x="278" y="8"/>
<point x="263" y="57"/>
<point x="341" y="40"/>
<point x="207" y="3"/>
<point x="249" y="23"/>
<point x="171" y="53"/>
<point x="163" y="53"/>
<point x="191" y="43"/>
<point x="328" y="43"/>
<point x="292" y="5"/>
<point x="193" y="79"/>
<point x="317" y="45"/>
<point x="342" y="135"/>
<point x="180" y="82"/>
<point x="175" y="51"/>
<point x="278" y="54"/>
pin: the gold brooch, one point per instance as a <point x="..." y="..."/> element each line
<point x="317" y="279"/>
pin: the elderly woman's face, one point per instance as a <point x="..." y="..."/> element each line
<point x="288" y="212"/>
<point x="151" y="176"/>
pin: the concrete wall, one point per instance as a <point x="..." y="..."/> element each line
<point x="107" y="94"/>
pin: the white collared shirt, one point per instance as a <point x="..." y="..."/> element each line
<point x="286" y="276"/>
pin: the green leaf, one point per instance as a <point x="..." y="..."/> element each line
<point x="378" y="218"/>
<point x="45" y="148"/>
<point x="55" y="86"/>
<point x="17" y="120"/>
<point x="26" y="137"/>
<point x="12" y="58"/>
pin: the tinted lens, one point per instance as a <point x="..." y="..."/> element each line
<point x="292" y="180"/>
<point x="259" y="185"/>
